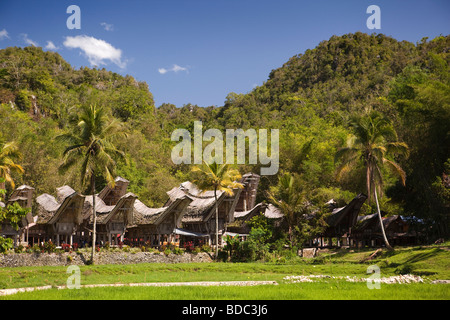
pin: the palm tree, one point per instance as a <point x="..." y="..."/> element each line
<point x="90" y="145"/>
<point x="289" y="200"/>
<point x="218" y="178"/>
<point x="9" y="152"/>
<point x="374" y="141"/>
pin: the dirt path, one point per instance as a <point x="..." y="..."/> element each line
<point x="289" y="279"/>
<point x="5" y="292"/>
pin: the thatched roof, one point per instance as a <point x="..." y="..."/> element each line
<point x="63" y="192"/>
<point x="120" y="189"/>
<point x="244" y="215"/>
<point x="143" y="215"/>
<point x="105" y="212"/>
<point x="203" y="202"/>
<point x="47" y="206"/>
<point x="387" y="221"/>
<point x="201" y="208"/>
<point x="22" y="193"/>
<point x="17" y="198"/>
<point x="373" y="221"/>
<point x="273" y="212"/>
<point x="241" y="218"/>
<point x="364" y="221"/>
<point x="100" y="206"/>
<point x="49" y="209"/>
<point x="191" y="190"/>
<point x="174" y="193"/>
<point x="269" y="211"/>
<point x="349" y="213"/>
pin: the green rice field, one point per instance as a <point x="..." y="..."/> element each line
<point x="430" y="263"/>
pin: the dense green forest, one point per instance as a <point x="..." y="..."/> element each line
<point x="311" y="99"/>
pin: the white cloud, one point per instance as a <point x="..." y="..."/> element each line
<point x="162" y="70"/>
<point x="96" y="50"/>
<point x="176" y="68"/>
<point x="107" y="26"/>
<point x="4" y="34"/>
<point x="28" y="40"/>
<point x="51" y="46"/>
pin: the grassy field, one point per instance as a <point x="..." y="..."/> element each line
<point x="429" y="262"/>
<point x="330" y="290"/>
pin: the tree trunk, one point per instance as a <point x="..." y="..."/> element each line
<point x="368" y="179"/>
<point x="386" y="242"/>
<point x="291" y="237"/>
<point x="94" y="214"/>
<point x="217" y="224"/>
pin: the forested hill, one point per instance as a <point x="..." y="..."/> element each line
<point x="58" y="87"/>
<point x="340" y="76"/>
<point x="310" y="99"/>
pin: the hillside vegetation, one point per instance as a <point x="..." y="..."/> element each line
<point x="311" y="99"/>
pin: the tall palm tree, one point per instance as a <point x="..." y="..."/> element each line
<point x="91" y="145"/>
<point x="218" y="178"/>
<point x="8" y="152"/>
<point x="289" y="200"/>
<point x="373" y="142"/>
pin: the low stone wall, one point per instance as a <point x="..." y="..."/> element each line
<point x="65" y="259"/>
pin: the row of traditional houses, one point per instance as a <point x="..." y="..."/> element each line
<point x="347" y="228"/>
<point x="188" y="215"/>
<point x="120" y="216"/>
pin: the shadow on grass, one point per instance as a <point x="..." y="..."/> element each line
<point x="423" y="256"/>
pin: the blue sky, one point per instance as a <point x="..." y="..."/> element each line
<point x="198" y="51"/>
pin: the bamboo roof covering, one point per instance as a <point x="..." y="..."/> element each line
<point x="269" y="211"/>
<point x="22" y="193"/>
<point x="49" y="209"/>
<point x="143" y="215"/>
<point x="273" y="212"/>
<point x="243" y="215"/>
<point x="63" y="192"/>
<point x="47" y="206"/>
<point x="105" y="212"/>
<point x="202" y="201"/>
<point x="350" y="212"/>
<point x="119" y="189"/>
<point x="372" y="221"/>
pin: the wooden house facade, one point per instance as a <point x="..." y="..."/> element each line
<point x="112" y="220"/>
<point x="199" y="215"/>
<point x="188" y="215"/>
<point x="110" y="196"/>
<point x="58" y="219"/>
<point x="368" y="231"/>
<point x="199" y="222"/>
<point x="341" y="222"/>
<point x="157" y="226"/>
<point x="247" y="197"/>
<point x="68" y="218"/>
<point x="154" y="226"/>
